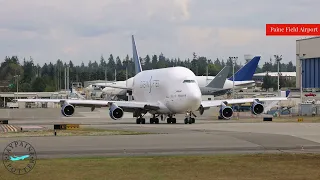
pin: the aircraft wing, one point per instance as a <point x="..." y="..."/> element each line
<point x="118" y="87"/>
<point x="215" y="103"/>
<point x="101" y="103"/>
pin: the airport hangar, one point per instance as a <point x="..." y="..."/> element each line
<point x="308" y="51"/>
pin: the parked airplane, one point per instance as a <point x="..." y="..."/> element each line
<point x="243" y="78"/>
<point x="166" y="91"/>
<point x="215" y="87"/>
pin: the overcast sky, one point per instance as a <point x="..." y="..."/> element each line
<point x="83" y="30"/>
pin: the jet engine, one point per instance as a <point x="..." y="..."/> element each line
<point x="257" y="108"/>
<point x="67" y="110"/>
<point x="115" y="112"/>
<point x="225" y="111"/>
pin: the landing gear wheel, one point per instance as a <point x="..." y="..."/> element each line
<point x="173" y="120"/>
<point x="193" y="120"/>
<point x="186" y="120"/>
<point x="143" y="120"/>
<point x="169" y="121"/>
<point x="140" y="120"/>
<point x="190" y="120"/>
<point x="154" y="120"/>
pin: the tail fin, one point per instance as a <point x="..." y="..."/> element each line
<point x="137" y="63"/>
<point x="220" y="79"/>
<point x="285" y="93"/>
<point x="247" y="71"/>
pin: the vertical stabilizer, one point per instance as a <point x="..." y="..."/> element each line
<point x="220" y="78"/>
<point x="137" y="63"/>
<point x="285" y="93"/>
<point x="247" y="71"/>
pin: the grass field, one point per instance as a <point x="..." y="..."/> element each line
<point x="74" y="132"/>
<point x="240" y="167"/>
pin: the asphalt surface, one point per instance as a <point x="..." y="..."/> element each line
<point x="206" y="136"/>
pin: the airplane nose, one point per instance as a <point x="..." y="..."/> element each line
<point x="195" y="99"/>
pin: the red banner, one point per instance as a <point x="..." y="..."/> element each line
<point x="293" y="29"/>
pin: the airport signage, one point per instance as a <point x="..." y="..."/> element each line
<point x="72" y="126"/>
<point x="3" y="121"/>
<point x="66" y="126"/>
<point x="19" y="157"/>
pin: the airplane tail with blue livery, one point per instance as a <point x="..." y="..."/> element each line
<point x="247" y="71"/>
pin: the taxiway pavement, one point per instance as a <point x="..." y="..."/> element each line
<point x="206" y="136"/>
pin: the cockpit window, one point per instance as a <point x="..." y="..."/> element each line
<point x="189" y="81"/>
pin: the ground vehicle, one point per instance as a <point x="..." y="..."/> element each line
<point x="310" y="94"/>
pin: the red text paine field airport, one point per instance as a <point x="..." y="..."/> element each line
<point x="293" y="29"/>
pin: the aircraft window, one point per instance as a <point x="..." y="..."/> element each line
<point x="189" y="81"/>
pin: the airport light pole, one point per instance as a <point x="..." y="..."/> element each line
<point x="301" y="72"/>
<point x="233" y="59"/>
<point x="17" y="81"/>
<point x="278" y="59"/>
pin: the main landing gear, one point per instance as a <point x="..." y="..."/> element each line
<point x="140" y="120"/>
<point x="153" y="120"/>
<point x="171" y="120"/>
<point x="189" y="119"/>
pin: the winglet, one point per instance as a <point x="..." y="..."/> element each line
<point x="137" y="63"/>
<point x="220" y="79"/>
<point x="247" y="71"/>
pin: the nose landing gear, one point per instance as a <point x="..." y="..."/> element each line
<point x="189" y="119"/>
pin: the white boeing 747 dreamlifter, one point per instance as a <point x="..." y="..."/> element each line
<point x="166" y="91"/>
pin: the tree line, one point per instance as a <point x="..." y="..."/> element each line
<point x="32" y="77"/>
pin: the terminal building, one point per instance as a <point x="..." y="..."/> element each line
<point x="307" y="50"/>
<point x="258" y="77"/>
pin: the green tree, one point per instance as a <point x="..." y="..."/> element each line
<point x="162" y="61"/>
<point x="154" y="61"/>
<point x="212" y="70"/>
<point x="267" y="82"/>
<point x="111" y="67"/>
<point x="39" y="85"/>
<point x="25" y="87"/>
<point x="119" y="65"/>
<point x="147" y="63"/>
<point x="28" y="69"/>
<point x="291" y="67"/>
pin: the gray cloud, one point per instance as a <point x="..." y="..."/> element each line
<point x="81" y="30"/>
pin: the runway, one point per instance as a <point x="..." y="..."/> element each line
<point x="206" y="136"/>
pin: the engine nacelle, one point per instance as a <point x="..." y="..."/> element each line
<point x="67" y="110"/>
<point x="225" y="111"/>
<point x="257" y="108"/>
<point x="115" y="112"/>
